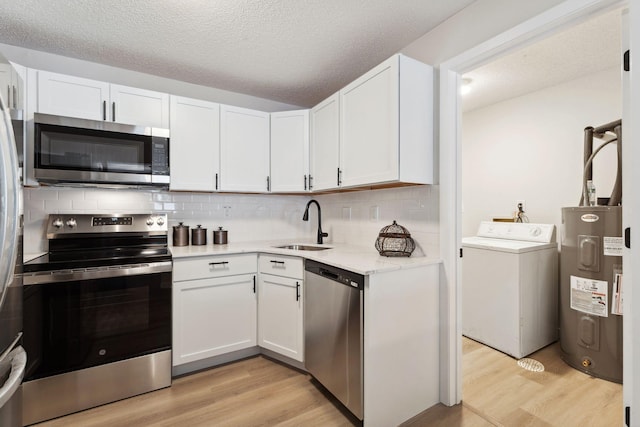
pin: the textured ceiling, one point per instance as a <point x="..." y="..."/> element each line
<point x="293" y="51"/>
<point x="583" y="49"/>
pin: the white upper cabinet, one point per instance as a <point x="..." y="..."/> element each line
<point x="11" y="85"/>
<point x="195" y="144"/>
<point x="71" y="96"/>
<point x="290" y="151"/>
<point x="139" y="106"/>
<point x="244" y="150"/>
<point x="386" y="125"/>
<point x="325" y="143"/>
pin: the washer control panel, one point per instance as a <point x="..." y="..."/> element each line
<point x="524" y="231"/>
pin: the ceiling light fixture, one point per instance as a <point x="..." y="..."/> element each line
<point x="465" y="87"/>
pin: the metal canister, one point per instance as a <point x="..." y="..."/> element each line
<point x="219" y="236"/>
<point x="198" y="236"/>
<point x="180" y="235"/>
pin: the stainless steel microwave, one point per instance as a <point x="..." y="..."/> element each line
<point x="72" y="150"/>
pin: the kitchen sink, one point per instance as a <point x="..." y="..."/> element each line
<point x="302" y="247"/>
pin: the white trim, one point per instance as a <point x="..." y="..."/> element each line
<point x="565" y="14"/>
<point x="630" y="177"/>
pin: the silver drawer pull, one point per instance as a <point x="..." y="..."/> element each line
<point x="219" y="263"/>
<point x="277" y="262"/>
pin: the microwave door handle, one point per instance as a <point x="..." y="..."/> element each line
<point x="18" y="364"/>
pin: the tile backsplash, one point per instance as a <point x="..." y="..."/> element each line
<point x="351" y="217"/>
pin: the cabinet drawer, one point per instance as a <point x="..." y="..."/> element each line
<point x="213" y="266"/>
<point x="281" y="265"/>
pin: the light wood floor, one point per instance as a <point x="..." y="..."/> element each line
<point x="261" y="392"/>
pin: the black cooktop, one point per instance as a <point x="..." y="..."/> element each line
<point x="73" y="259"/>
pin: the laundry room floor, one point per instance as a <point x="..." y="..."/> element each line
<point x="504" y="394"/>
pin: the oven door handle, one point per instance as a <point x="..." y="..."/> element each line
<point x="62" y="276"/>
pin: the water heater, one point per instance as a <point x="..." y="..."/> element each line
<point x="590" y="310"/>
<point x="590" y="280"/>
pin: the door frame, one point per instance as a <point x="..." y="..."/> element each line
<point x="562" y="16"/>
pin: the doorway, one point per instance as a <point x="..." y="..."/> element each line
<point x="522" y="144"/>
<point x="451" y="157"/>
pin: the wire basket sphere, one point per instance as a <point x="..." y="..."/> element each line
<point x="395" y="241"/>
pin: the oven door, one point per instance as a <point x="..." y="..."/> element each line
<point x="94" y="320"/>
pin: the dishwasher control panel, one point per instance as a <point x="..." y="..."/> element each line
<point x="336" y="274"/>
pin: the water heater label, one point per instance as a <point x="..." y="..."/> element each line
<point x="590" y="296"/>
<point x="589" y="217"/>
<point x="613" y="246"/>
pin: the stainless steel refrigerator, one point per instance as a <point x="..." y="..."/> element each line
<point x="12" y="356"/>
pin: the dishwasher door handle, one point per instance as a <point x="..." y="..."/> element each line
<point x="328" y="274"/>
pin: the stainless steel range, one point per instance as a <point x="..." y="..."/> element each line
<point x="97" y="313"/>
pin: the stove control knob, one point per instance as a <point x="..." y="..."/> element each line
<point x="160" y="221"/>
<point x="150" y="221"/>
<point x="71" y="223"/>
<point x="57" y="223"/>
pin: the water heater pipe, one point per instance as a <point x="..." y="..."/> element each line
<point x="601" y="133"/>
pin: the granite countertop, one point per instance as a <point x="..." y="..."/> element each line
<point x="358" y="259"/>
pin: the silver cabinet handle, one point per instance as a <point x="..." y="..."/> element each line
<point x="297" y="291"/>
<point x="219" y="263"/>
<point x="104" y="110"/>
<point x="277" y="262"/>
<point x="268" y="184"/>
<point x="15" y="97"/>
<point x="305" y="183"/>
<point x="113" y="111"/>
<point x="310" y="182"/>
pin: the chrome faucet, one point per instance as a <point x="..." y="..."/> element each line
<point x="305" y="217"/>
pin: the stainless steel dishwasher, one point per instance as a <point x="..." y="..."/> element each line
<point x="333" y="325"/>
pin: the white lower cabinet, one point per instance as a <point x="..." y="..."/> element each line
<point x="280" y="313"/>
<point x="280" y="303"/>
<point x="214" y="306"/>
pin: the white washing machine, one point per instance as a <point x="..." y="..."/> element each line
<point x="510" y="286"/>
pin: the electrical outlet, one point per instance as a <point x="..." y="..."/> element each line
<point x="374" y="213"/>
<point x="523" y="203"/>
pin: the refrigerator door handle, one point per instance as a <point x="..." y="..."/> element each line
<point x="18" y="360"/>
<point x="10" y="192"/>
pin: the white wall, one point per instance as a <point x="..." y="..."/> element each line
<point x="245" y="217"/>
<point x="91" y="70"/>
<point x="474" y="24"/>
<point x="250" y="217"/>
<point x="350" y="217"/>
<point x="531" y="148"/>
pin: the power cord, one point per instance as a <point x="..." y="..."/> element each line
<point x="520" y="216"/>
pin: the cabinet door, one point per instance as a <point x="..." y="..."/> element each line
<point x="369" y="126"/>
<point x="325" y="140"/>
<point x="290" y="151"/>
<point x="72" y="96"/>
<point x="280" y="316"/>
<point x="139" y="107"/>
<point x="195" y="144"/>
<point x="11" y="85"/>
<point x="213" y="317"/>
<point x="244" y="149"/>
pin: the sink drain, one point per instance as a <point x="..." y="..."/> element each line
<point x="531" y="365"/>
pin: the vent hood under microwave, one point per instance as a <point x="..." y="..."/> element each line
<point x="69" y="150"/>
